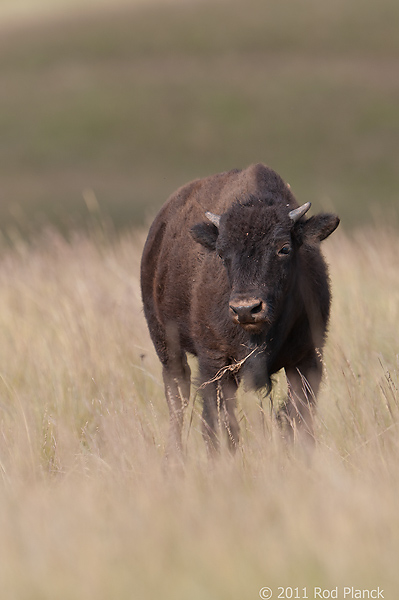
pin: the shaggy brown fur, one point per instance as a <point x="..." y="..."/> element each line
<point x="251" y="283"/>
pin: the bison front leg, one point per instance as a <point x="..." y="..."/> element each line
<point x="211" y="403"/>
<point x="218" y="413"/>
<point x="298" y="410"/>
<point x="229" y="389"/>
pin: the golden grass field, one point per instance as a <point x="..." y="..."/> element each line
<point x="88" y="510"/>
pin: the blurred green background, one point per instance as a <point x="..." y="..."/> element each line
<point x="109" y="107"/>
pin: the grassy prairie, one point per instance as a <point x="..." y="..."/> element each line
<point x="87" y="510"/>
<point x="131" y="100"/>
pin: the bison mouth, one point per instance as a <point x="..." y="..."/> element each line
<point x="254" y="328"/>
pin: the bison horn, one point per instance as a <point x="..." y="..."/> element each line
<point x="215" y="219"/>
<point x="297" y="213"/>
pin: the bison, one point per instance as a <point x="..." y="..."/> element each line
<point x="232" y="273"/>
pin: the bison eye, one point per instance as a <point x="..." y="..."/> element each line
<point x="284" y="250"/>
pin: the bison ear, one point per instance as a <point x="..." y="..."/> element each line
<point x="205" y="234"/>
<point x="319" y="227"/>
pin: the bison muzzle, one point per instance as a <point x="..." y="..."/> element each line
<point x="232" y="273"/>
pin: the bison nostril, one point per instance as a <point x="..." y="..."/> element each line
<point x="257" y="308"/>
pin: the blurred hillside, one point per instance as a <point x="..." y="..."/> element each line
<point x="116" y="106"/>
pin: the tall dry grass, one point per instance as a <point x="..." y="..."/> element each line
<point x="87" y="509"/>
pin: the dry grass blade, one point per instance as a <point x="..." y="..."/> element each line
<point x="231" y="369"/>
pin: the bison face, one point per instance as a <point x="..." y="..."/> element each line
<point x="259" y="245"/>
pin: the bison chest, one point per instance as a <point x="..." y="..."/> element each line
<point x="212" y="330"/>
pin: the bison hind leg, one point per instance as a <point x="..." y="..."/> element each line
<point x="177" y="381"/>
<point x="177" y="392"/>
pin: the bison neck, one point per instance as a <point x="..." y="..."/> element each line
<point x="278" y="347"/>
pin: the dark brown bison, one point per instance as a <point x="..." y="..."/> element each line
<point x="232" y="272"/>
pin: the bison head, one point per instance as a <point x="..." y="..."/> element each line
<point x="259" y="245"/>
